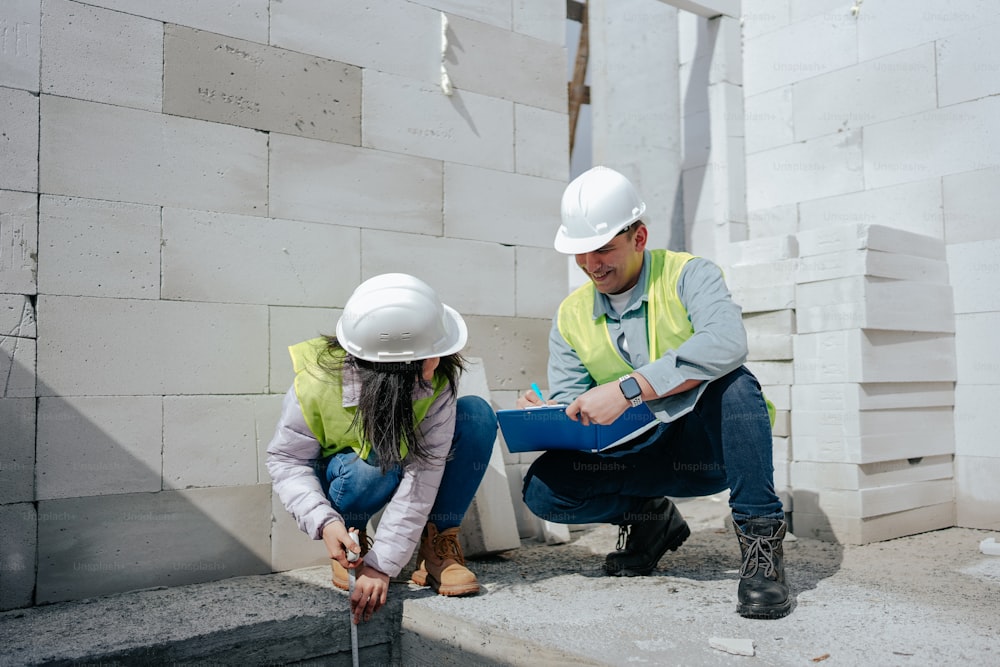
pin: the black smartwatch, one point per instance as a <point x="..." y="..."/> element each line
<point x="630" y="389"/>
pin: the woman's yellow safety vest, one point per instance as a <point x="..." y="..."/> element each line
<point x="321" y="399"/>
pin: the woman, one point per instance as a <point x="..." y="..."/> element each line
<point x="371" y="421"/>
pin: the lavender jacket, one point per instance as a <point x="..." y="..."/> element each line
<point x="294" y="448"/>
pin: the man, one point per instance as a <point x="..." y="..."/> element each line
<point x="658" y="327"/>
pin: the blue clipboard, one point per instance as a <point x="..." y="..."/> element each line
<point x="548" y="427"/>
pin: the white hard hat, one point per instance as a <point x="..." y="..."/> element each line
<point x="397" y="317"/>
<point x="596" y="205"/>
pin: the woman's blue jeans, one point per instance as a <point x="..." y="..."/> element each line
<point x="358" y="489"/>
<point x="725" y="442"/>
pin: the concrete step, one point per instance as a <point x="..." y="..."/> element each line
<point x="270" y="619"/>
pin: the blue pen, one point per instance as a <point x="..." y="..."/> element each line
<point x="538" y="392"/>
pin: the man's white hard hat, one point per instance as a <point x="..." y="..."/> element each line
<point x="596" y="205"/>
<point x="396" y="317"/>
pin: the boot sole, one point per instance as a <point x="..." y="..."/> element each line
<point x="419" y="577"/>
<point x="678" y="539"/>
<point x="769" y="612"/>
<point x="452" y="591"/>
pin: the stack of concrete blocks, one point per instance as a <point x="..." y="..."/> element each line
<point x="873" y="399"/>
<point x="188" y="188"/>
<point x="762" y="281"/>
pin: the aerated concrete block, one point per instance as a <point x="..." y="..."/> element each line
<point x="975" y="272"/>
<point x="534" y="69"/>
<point x="932" y="144"/>
<point x="246" y="259"/>
<point x="512" y="349"/>
<point x="779" y="395"/>
<point x="535" y="267"/>
<point x="770" y="323"/>
<point x="99" y="248"/>
<point x="17" y="367"/>
<point x="857" y="355"/>
<point x="799" y="51"/>
<point x="967" y="65"/>
<point x="768" y="120"/>
<point x="821" y="167"/>
<point x="764" y="299"/>
<point x="866" y="503"/>
<point x="856" y="476"/>
<point x="763" y="273"/>
<point x="266" y="411"/>
<point x="769" y="347"/>
<point x="19" y="140"/>
<point x="20" y="54"/>
<point x="487" y="270"/>
<point x="413" y="117"/>
<point x="766" y="251"/>
<point x="872" y="436"/>
<point x="101" y="55"/>
<point x="337" y="29"/>
<point x="101" y="545"/>
<point x="99" y="445"/>
<point x="977" y="420"/>
<point x="977" y="495"/>
<point x="150" y="158"/>
<point x="288" y="326"/>
<point x="303" y="172"/>
<point x="914" y="207"/>
<point x="500" y="207"/>
<point x="541" y="19"/>
<point x="489" y="525"/>
<point x="122" y="347"/>
<point x="896" y="85"/>
<point x="977" y="354"/>
<point x="865" y="236"/>
<point x="851" y="530"/>
<point x="292" y="549"/>
<point x="17" y="450"/>
<point x="852" y="397"/>
<point x="861" y="302"/>
<point x="969" y="200"/>
<point x="18" y="551"/>
<point x="240" y="18"/>
<point x="17" y="316"/>
<point x="190" y="423"/>
<point x="872" y="263"/>
<point x="18" y="240"/>
<point x="772" y="372"/>
<point x="238" y="82"/>
<point x="540" y="142"/>
<point x="777" y="221"/>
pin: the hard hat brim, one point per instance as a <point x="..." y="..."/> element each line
<point x="455" y="338"/>
<point x="575" y="246"/>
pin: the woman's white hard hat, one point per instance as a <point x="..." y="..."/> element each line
<point x="596" y="205"/>
<point x="396" y="317"/>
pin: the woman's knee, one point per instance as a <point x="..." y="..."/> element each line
<point x="476" y="422"/>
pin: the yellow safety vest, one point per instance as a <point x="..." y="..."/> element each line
<point x="668" y="324"/>
<point x="667" y="321"/>
<point x="321" y="399"/>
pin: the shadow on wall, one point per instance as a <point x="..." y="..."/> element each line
<point x="96" y="519"/>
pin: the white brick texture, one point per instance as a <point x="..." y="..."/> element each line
<point x="20" y="53"/>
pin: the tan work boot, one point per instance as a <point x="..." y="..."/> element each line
<point x="340" y="576"/>
<point x="441" y="565"/>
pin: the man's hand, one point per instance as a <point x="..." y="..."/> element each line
<point x="531" y="399"/>
<point x="370" y="590"/>
<point x="601" y="405"/>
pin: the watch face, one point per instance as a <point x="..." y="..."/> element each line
<point x="630" y="387"/>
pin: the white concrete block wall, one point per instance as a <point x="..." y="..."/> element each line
<point x="189" y="189"/>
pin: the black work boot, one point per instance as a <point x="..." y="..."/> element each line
<point x="763" y="592"/>
<point x="658" y="527"/>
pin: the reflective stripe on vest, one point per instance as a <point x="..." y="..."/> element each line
<point x="667" y="321"/>
<point x="321" y="399"/>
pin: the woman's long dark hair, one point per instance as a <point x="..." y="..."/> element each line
<point x="385" y="405"/>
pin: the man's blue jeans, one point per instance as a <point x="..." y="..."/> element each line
<point x="725" y="442"/>
<point x="358" y="489"/>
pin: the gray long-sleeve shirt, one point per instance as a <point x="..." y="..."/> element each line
<point x="718" y="346"/>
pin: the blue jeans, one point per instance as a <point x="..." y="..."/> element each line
<point x="358" y="489"/>
<point x="725" y="442"/>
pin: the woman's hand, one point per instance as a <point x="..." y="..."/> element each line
<point x="370" y="590"/>
<point x="337" y="540"/>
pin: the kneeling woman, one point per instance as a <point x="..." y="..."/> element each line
<point x="373" y="421"/>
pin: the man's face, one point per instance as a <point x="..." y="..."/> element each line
<point x="615" y="267"/>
